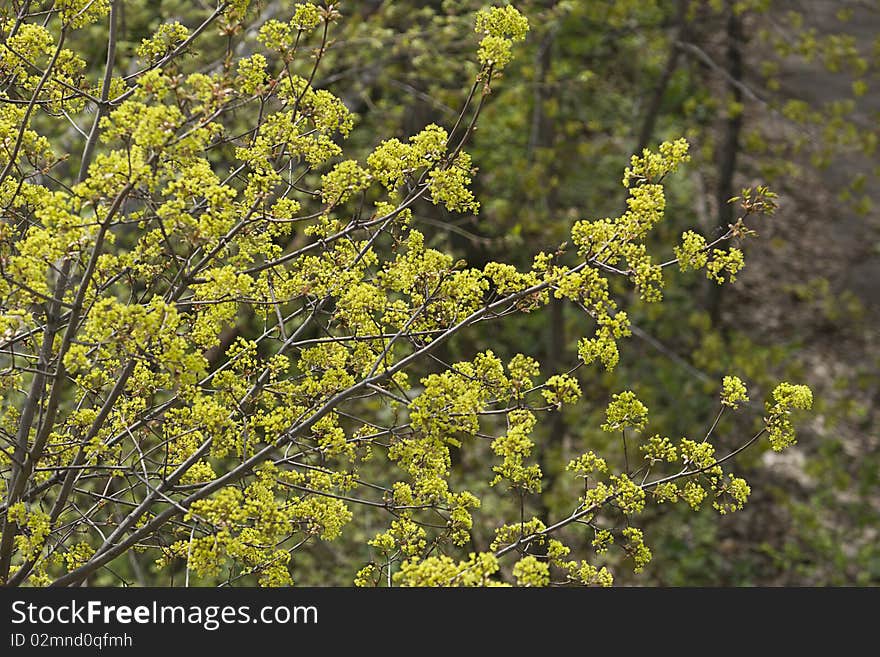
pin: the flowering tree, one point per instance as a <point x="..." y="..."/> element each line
<point x="138" y="436"/>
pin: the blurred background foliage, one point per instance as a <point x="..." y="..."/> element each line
<point x="777" y="92"/>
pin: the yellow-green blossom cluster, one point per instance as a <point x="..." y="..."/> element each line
<point x="168" y="37"/>
<point x="515" y="447"/>
<point x="785" y="398"/>
<point x="611" y="241"/>
<point x="625" y="410"/>
<point x="501" y="27"/>
<point x="693" y="253"/>
<point x="79" y="13"/>
<point x="733" y="392"/>
<point x="636" y="548"/>
<point x="476" y="570"/>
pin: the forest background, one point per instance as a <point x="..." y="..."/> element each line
<point x="783" y="93"/>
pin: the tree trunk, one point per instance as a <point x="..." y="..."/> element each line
<point x="729" y="147"/>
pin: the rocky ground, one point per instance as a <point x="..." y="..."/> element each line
<point x="814" y="277"/>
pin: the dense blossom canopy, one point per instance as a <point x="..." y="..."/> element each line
<point x="132" y="422"/>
